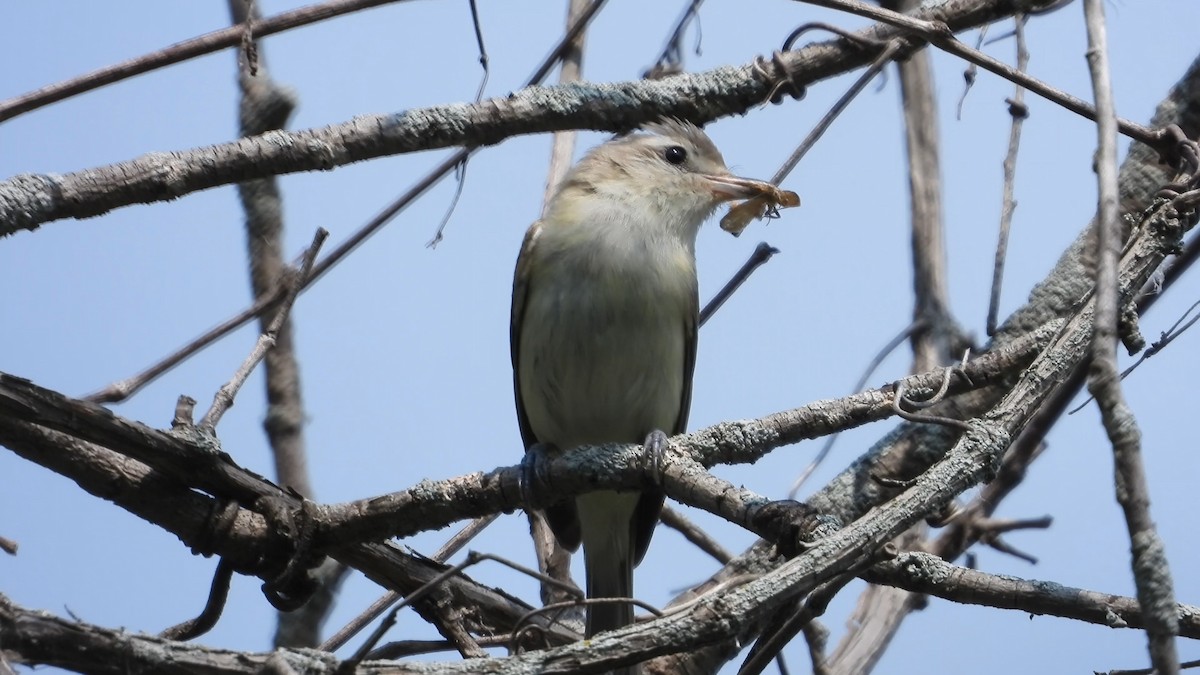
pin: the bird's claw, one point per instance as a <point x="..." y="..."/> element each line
<point x="656" y="449"/>
<point x="532" y="475"/>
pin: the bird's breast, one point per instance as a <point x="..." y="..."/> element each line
<point x="603" y="343"/>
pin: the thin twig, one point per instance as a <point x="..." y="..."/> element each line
<point x="218" y="593"/>
<point x="882" y="354"/>
<point x="885" y="56"/>
<point x="1186" y="665"/>
<point x="1151" y="572"/>
<point x="775" y="637"/>
<point x="898" y="400"/>
<point x="126" y="388"/>
<point x="670" y="61"/>
<point x="556" y="608"/>
<point x="1165" y="339"/>
<point x="1173" y="332"/>
<point x="404" y="648"/>
<point x="762" y="253"/>
<point x="816" y="635"/>
<point x="939" y="35"/>
<point x="452" y="546"/>
<point x="932" y="340"/>
<point x="225" y="396"/>
<point x="692" y="532"/>
<point x="460" y="169"/>
<point x="1018" y="111"/>
<point x="972" y="72"/>
<point x="460" y="182"/>
<point x="473" y="558"/>
<point x="562" y="149"/>
<point x="123" y="389"/>
<point x="181" y="51"/>
<point x="483" y="55"/>
<point x="564" y="44"/>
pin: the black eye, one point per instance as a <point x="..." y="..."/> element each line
<point x="675" y="155"/>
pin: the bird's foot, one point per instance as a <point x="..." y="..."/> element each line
<point x="533" y="474"/>
<point x="656" y="449"/>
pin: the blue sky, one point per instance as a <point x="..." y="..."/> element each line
<point x="404" y="349"/>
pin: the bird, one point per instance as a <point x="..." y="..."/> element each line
<point x="604" y="324"/>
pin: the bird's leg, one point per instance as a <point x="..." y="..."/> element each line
<point x="656" y="449"/>
<point x="533" y="474"/>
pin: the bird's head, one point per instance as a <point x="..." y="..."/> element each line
<point x="670" y="171"/>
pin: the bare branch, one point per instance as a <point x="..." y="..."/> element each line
<point x="942" y="37"/>
<point x="28" y="200"/>
<point x="698" y="537"/>
<point x="377" y="608"/>
<point x="929" y="574"/>
<point x="127" y="387"/>
<point x="1018" y="111"/>
<point x="182" y="51"/>
<point x="224" y="397"/>
<point x="435" y="504"/>
<point x="571" y="70"/>
<point x="1151" y="573"/>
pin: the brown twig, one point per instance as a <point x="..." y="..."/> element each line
<point x="940" y="35"/>
<point x="571" y="69"/>
<point x="670" y="61"/>
<point x="1167" y="337"/>
<point x="762" y="253"/>
<point x="1018" y="111"/>
<point x="675" y="520"/>
<point x="1186" y="665"/>
<point x="878" y="359"/>
<point x="776" y="637"/>
<point x="1151" y="572"/>
<point x="224" y="397"/>
<point x="119" y="391"/>
<point x="373" y="639"/>
<point x="924" y="573"/>
<point x="885" y="56"/>
<point x="377" y="608"/>
<point x="816" y="636"/>
<point x="935" y="338"/>
<point x="473" y="558"/>
<point x="400" y="649"/>
<point x="971" y="73"/>
<point x="434" y="504"/>
<point x="483" y="55"/>
<point x="181" y="51"/>
<point x="29" y="200"/>
<point x="218" y="592"/>
<point x="125" y="388"/>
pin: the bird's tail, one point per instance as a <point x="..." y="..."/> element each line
<point x="611" y="578"/>
<point x="608" y="552"/>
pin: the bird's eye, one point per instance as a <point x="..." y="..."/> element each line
<point x="675" y="155"/>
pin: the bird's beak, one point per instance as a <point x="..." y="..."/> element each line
<point x="729" y="188"/>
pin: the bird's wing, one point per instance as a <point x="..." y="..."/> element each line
<point x="519" y="294"/>
<point x="691" y="326"/>
<point x="650" y="503"/>
<point x="562" y="517"/>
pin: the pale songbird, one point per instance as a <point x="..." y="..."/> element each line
<point x="604" y="320"/>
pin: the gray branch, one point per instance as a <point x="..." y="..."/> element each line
<point x="28" y="200"/>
